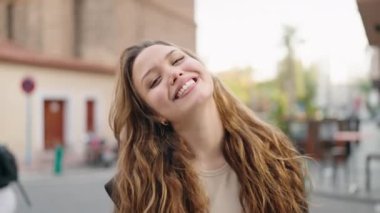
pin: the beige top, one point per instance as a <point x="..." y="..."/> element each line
<point x="222" y="187"/>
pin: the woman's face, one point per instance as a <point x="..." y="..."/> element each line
<point x="171" y="82"/>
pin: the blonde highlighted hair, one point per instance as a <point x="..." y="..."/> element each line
<point x="154" y="172"/>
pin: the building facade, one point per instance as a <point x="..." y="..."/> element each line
<point x="369" y="11"/>
<point x="70" y="48"/>
<point x="95" y="29"/>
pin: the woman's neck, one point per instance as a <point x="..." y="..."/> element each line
<point x="204" y="132"/>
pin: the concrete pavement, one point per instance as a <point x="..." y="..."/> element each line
<point x="325" y="204"/>
<point x="79" y="190"/>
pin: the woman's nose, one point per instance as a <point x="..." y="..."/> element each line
<point x="174" y="76"/>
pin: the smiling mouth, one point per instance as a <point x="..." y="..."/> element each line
<point x="185" y="88"/>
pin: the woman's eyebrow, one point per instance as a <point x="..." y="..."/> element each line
<point x="151" y="69"/>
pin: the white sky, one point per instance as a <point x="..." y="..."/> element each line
<point x="238" y="33"/>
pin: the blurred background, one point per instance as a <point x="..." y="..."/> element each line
<point x="310" y="67"/>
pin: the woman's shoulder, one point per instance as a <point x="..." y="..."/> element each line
<point x="109" y="187"/>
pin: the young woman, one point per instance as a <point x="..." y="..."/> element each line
<point x="186" y="144"/>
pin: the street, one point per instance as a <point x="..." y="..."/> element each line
<point x="321" y="204"/>
<point x="75" y="192"/>
<point x="81" y="191"/>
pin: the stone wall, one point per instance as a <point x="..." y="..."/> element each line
<point x="98" y="30"/>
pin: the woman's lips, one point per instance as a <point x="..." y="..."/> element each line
<point x="186" y="88"/>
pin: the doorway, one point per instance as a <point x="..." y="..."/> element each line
<point x="54" y="111"/>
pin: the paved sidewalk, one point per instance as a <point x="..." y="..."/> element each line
<point x="43" y="163"/>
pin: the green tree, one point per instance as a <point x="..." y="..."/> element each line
<point x="310" y="76"/>
<point x="240" y="82"/>
<point x="289" y="76"/>
<point x="274" y="111"/>
<point x="293" y="90"/>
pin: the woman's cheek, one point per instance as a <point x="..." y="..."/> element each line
<point x="157" y="100"/>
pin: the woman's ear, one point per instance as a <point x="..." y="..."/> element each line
<point x="162" y="120"/>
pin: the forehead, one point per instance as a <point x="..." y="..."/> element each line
<point x="151" y="56"/>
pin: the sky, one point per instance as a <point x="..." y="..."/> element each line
<point x="239" y="33"/>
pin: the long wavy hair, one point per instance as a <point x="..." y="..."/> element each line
<point x="154" y="173"/>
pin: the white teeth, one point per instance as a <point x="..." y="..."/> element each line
<point x="185" y="87"/>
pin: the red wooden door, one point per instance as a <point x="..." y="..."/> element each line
<point x="54" y="123"/>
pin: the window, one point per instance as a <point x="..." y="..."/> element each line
<point x="90" y="108"/>
<point x="10" y="20"/>
<point x="78" y="25"/>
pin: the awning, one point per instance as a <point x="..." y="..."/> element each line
<point x="370" y="13"/>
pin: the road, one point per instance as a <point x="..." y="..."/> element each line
<point x="78" y="191"/>
<point x="81" y="191"/>
<point x="320" y="204"/>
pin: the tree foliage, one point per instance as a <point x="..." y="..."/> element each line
<point x="240" y="82"/>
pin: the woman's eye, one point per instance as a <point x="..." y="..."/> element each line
<point x="155" y="82"/>
<point x="178" y="60"/>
